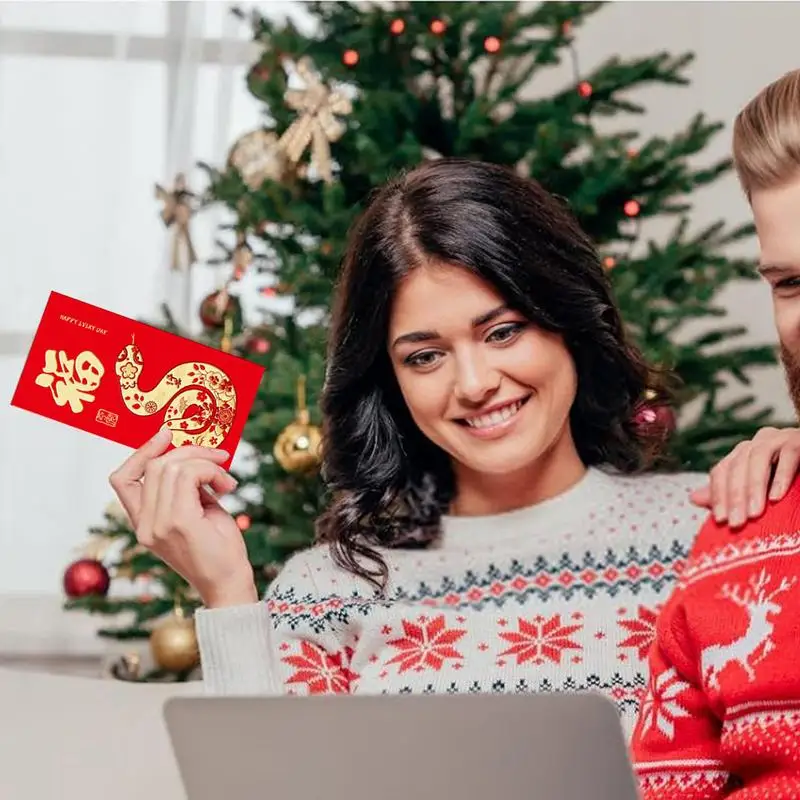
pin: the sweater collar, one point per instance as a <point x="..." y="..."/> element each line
<point x="550" y="517"/>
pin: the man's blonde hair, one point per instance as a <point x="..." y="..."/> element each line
<point x="766" y="136"/>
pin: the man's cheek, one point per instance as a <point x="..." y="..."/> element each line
<point x="787" y="322"/>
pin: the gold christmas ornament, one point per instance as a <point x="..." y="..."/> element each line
<point x="316" y="124"/>
<point x="176" y="213"/>
<point x="173" y="643"/>
<point x="258" y="157"/>
<point x="298" y="447"/>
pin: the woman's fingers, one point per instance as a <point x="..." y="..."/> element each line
<point x="126" y="479"/>
<point x="146" y="464"/>
<point x="191" y="490"/>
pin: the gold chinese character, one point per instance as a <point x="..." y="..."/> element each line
<point x="72" y="381"/>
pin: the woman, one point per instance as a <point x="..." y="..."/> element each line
<point x="490" y="528"/>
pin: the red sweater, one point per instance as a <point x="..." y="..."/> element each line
<point x="721" y="716"/>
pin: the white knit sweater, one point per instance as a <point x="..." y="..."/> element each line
<point x="561" y="596"/>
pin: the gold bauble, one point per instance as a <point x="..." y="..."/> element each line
<point x="173" y="643"/>
<point x="298" y="446"/>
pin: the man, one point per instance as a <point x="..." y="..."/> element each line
<point x="721" y="716"/>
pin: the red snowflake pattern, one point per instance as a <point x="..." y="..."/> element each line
<point x="540" y="639"/>
<point x="426" y="645"/>
<point x="642" y="631"/>
<point x="321" y="671"/>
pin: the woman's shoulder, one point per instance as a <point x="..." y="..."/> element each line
<point x="311" y="573"/>
<point x="666" y="485"/>
<point x="659" y="502"/>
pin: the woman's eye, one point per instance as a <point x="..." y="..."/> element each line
<point x="424" y="359"/>
<point x="505" y="333"/>
<point x="788" y="283"/>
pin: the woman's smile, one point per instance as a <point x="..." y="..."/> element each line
<point x="496" y="421"/>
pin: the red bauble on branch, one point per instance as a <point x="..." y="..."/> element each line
<point x="86" y="577"/>
<point x="655" y="419"/>
<point x="631" y="208"/>
<point x="215" y="307"/>
<point x="242" y="522"/>
<point x="259" y="72"/>
<point x="257" y="344"/>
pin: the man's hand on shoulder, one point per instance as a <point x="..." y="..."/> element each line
<point x="756" y="471"/>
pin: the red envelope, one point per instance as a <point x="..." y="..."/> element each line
<point x="123" y="380"/>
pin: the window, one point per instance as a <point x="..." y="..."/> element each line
<point x="98" y="102"/>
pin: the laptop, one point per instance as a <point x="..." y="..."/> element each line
<point x="396" y="747"/>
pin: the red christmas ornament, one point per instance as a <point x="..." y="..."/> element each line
<point x="631" y="208"/>
<point x="491" y="44"/>
<point x="585" y="89"/>
<point x="86" y="577"/>
<point x="214" y="308"/>
<point x="397" y="26"/>
<point x="260" y="72"/>
<point x="243" y="522"/>
<point x="566" y="27"/>
<point x="350" y="58"/>
<point x="438" y="27"/>
<point x="258" y="345"/>
<point x="655" y="419"/>
<point x="632" y="152"/>
<point x="609" y="262"/>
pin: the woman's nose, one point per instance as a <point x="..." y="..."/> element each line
<point x="476" y="381"/>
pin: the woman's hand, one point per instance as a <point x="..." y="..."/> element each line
<point x="180" y="521"/>
<point x="765" y="466"/>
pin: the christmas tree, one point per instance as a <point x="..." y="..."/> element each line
<point x="374" y="91"/>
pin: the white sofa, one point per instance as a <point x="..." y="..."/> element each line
<point x="71" y="738"/>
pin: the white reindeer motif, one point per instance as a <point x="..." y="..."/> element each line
<point x="753" y="647"/>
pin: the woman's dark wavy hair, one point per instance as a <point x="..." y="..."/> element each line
<point x="390" y="484"/>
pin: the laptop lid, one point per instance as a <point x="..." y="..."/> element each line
<point x="397" y="747"/>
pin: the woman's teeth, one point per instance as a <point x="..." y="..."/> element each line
<point x="495" y="417"/>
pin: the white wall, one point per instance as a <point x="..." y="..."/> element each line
<point x="83" y="140"/>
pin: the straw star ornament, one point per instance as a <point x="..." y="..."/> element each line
<point x="316" y="125"/>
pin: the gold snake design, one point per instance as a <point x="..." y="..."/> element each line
<point x="200" y="399"/>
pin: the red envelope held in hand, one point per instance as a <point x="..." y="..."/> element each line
<point x="123" y="380"/>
